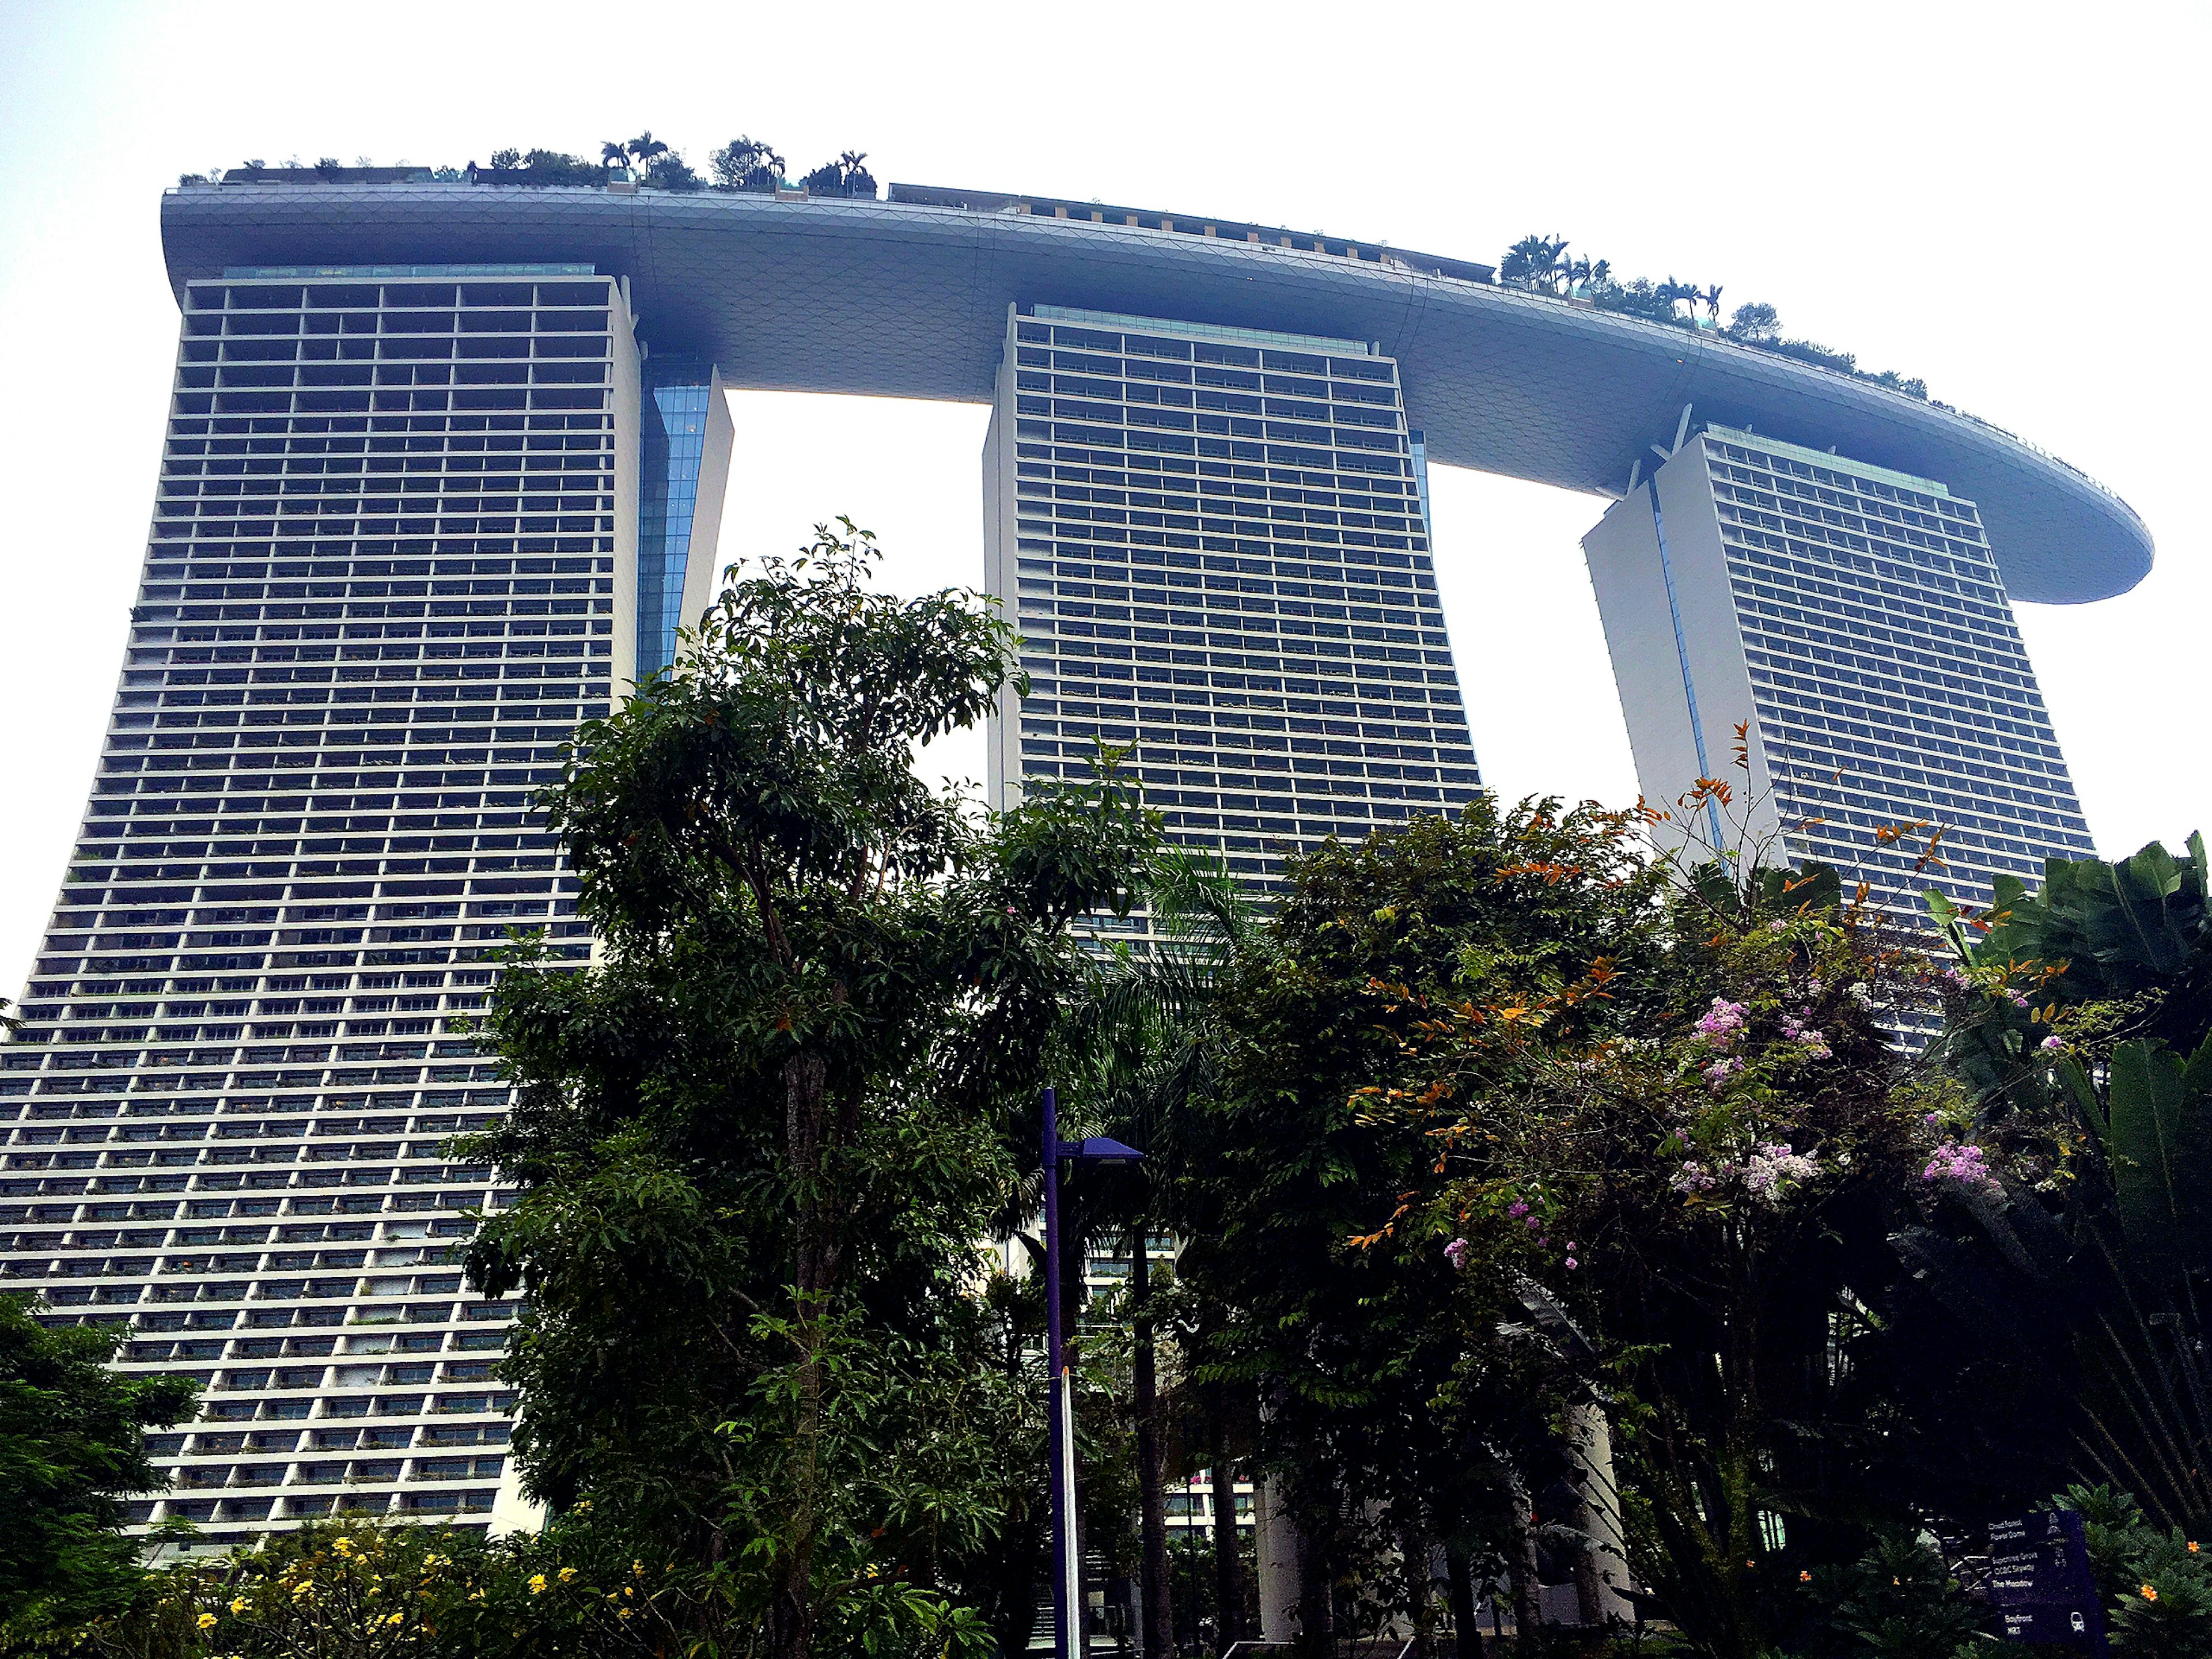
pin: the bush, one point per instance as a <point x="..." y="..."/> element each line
<point x="1898" y="1600"/>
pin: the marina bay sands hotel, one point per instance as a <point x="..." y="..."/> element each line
<point x="442" y="476"/>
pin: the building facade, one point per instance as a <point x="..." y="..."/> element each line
<point x="417" y="518"/>
<point x="1853" y="621"/>
<point x="1215" y="544"/>
<point x="395" y="558"/>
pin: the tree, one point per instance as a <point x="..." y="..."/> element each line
<point x="672" y="172"/>
<point x="1139" y="1050"/>
<point x="72" y="1449"/>
<point x="643" y="149"/>
<point x="1755" y="324"/>
<point x="2080" y="1022"/>
<point x="776" y="1113"/>
<point x="1689" y="1159"/>
<point x="746" y="164"/>
<point x="1534" y="262"/>
<point x="845" y="176"/>
<point x="1336" y="1320"/>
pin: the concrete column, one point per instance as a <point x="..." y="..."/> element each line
<point x="1602" y="1572"/>
<point x="1276" y="1542"/>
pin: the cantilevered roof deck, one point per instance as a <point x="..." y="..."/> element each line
<point x="907" y="299"/>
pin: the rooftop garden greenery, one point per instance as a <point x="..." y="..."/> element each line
<point x="742" y="164"/>
<point x="1541" y="264"/>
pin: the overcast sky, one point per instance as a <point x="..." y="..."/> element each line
<point x="2008" y="200"/>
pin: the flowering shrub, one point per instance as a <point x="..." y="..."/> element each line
<point x="363" y="1589"/>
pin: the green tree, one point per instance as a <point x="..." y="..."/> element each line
<point x="780" y="1101"/>
<point x="746" y="164"/>
<point x="2080" y="1019"/>
<point x="1685" y="1159"/>
<point x="72" y="1449"/>
<point x="1319" y="1300"/>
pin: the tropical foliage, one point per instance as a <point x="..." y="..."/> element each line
<point x="1582" y="1211"/>
<point x="71" y="1450"/>
<point x="1540" y="265"/>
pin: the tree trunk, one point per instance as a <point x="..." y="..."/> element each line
<point x="1521" y="1568"/>
<point x="790" y="1611"/>
<point x="1228" y="1560"/>
<point x="1317" y="1606"/>
<point x="1157" y="1620"/>
<point x="1459" y="1566"/>
<point x="1420" y="1602"/>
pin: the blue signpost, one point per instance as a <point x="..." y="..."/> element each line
<point x="2039" y="1580"/>
<point x="1066" y="1557"/>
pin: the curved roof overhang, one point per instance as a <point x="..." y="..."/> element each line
<point x="896" y="299"/>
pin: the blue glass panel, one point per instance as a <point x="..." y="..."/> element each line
<point x="674" y="428"/>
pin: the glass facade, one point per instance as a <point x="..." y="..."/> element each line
<point x="673" y="412"/>
<point x="1216" y="545"/>
<point x="378" y="592"/>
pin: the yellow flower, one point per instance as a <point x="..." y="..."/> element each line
<point x="583" y="1506"/>
<point x="567" y="1574"/>
<point x="536" y="1583"/>
<point x="2192" y="1546"/>
<point x="207" y="1621"/>
<point x="395" y="1619"/>
<point x="2149" y="1594"/>
<point x="637" y="1569"/>
<point x="623" y="1612"/>
<point x="343" y="1546"/>
<point x="238" y="1605"/>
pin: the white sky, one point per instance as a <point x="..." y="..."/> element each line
<point x="2006" y="199"/>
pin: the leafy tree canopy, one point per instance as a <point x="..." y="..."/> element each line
<point x="71" y="1450"/>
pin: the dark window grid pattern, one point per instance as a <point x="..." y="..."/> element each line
<point x="173" y="1161"/>
<point x="1234" y="578"/>
<point x="1891" y="684"/>
<point x="671" y="449"/>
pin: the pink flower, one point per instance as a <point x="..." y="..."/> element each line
<point x="1721" y="1022"/>
<point x="2053" y="1043"/>
<point x="1959" y="1161"/>
<point x="1455" y="1252"/>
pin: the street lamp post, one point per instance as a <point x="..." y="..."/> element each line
<point x="1067" y="1560"/>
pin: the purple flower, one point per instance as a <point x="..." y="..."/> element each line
<point x="1959" y="1161"/>
<point x="1693" y="1177"/>
<point x="1815" y="1043"/>
<point x="1721" y="1022"/>
<point x="1571" y="1262"/>
<point x="1516" y="1208"/>
<point x="2020" y="1001"/>
<point x="2052" y="1044"/>
<point x="1455" y="1252"/>
<point x="1772" y="1168"/>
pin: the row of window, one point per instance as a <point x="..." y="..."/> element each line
<point x="267" y="1188"/>
<point x="269" y="294"/>
<point x="1112" y="345"/>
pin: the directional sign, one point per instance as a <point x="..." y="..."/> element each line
<point x="2039" y="1580"/>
